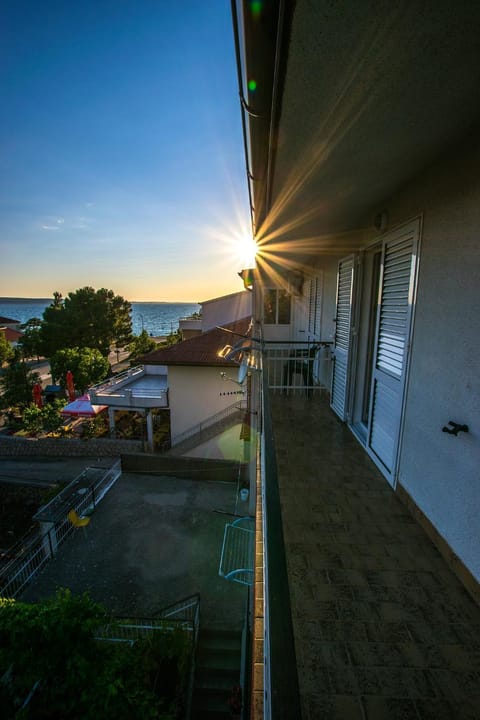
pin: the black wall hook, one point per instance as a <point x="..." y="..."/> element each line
<point x="455" y="429"/>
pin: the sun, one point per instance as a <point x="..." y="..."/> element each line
<point x="247" y="250"/>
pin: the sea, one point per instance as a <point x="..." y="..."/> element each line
<point x="157" y="318"/>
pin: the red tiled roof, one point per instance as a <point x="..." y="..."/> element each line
<point x="202" y="349"/>
<point x="11" y="335"/>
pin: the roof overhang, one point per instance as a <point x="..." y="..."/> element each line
<point x="352" y="101"/>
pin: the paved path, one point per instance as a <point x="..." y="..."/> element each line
<point x="151" y="542"/>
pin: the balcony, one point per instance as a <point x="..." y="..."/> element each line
<point x="297" y="367"/>
<point x="363" y="618"/>
<point x="137" y="388"/>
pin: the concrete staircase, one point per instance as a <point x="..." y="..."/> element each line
<point x="217" y="672"/>
<point x="206" y="433"/>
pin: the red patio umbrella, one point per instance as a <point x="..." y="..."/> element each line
<point x="37" y="395"/>
<point x="70" y="385"/>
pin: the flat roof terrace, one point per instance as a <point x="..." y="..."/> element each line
<point x="152" y="541"/>
<point x="140" y="387"/>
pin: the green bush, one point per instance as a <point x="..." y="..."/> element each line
<point x="45" y="419"/>
<point x="51" y="646"/>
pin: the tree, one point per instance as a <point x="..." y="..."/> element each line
<point x="46" y="419"/>
<point x="140" y="345"/>
<point x="6" y="351"/>
<point x="54" y="667"/>
<point x="86" y="318"/>
<point x="29" y="343"/>
<point x="88" y="366"/>
<point x="173" y="338"/>
<point x="17" y="384"/>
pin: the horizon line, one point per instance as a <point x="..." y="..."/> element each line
<point x="8" y="298"/>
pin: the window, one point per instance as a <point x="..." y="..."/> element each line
<point x="276" y="307"/>
<point x="314" y="306"/>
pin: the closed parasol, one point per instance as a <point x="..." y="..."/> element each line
<point x="70" y="385"/>
<point x="37" y="395"/>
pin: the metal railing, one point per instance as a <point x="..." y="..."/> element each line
<point x="282" y="697"/>
<point x="36" y="548"/>
<point x="186" y="609"/>
<point x="116" y="380"/>
<point x="119" y="387"/>
<point x="297" y="367"/>
<point x="183" y="615"/>
<point x="208" y="422"/>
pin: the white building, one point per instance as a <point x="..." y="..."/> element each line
<point x="363" y="158"/>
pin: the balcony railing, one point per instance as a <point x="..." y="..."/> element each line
<point x="117" y="380"/>
<point x="297" y="367"/>
<point x="123" y="391"/>
<point x="281" y="689"/>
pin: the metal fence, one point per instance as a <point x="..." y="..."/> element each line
<point x="184" y="614"/>
<point x="35" y="549"/>
<point x="117" y="380"/>
<point x="208" y="422"/>
<point x="297" y="367"/>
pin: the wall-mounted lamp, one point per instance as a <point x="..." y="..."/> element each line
<point x="223" y="352"/>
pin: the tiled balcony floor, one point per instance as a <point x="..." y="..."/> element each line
<point x="383" y="628"/>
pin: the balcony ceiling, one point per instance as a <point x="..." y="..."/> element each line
<point x="368" y="94"/>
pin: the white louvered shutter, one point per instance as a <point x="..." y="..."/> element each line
<point x="343" y="332"/>
<point x="396" y="295"/>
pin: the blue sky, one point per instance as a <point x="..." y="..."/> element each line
<point x="121" y="154"/>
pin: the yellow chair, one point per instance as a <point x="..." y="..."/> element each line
<point x="77" y="520"/>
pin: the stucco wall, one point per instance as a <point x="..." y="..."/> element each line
<point x="442" y="472"/>
<point x="58" y="447"/>
<point x="194" y="395"/>
<point x="226" y="309"/>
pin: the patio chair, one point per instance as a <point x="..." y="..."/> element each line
<point x="78" y="521"/>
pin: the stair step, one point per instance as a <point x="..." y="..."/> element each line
<point x="217" y="672"/>
<point x="212" y="702"/>
<point x="218" y="658"/>
<point x="216" y="679"/>
<point x="210" y="715"/>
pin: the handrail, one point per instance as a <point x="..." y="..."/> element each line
<point x="117" y="379"/>
<point x="137" y="392"/>
<point x="283" y="689"/>
<point x="208" y="422"/>
<point x="190" y="608"/>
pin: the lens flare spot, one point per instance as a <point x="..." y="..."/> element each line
<point x="252" y="85"/>
<point x="256" y="7"/>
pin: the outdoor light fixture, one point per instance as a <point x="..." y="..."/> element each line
<point x="226" y="350"/>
